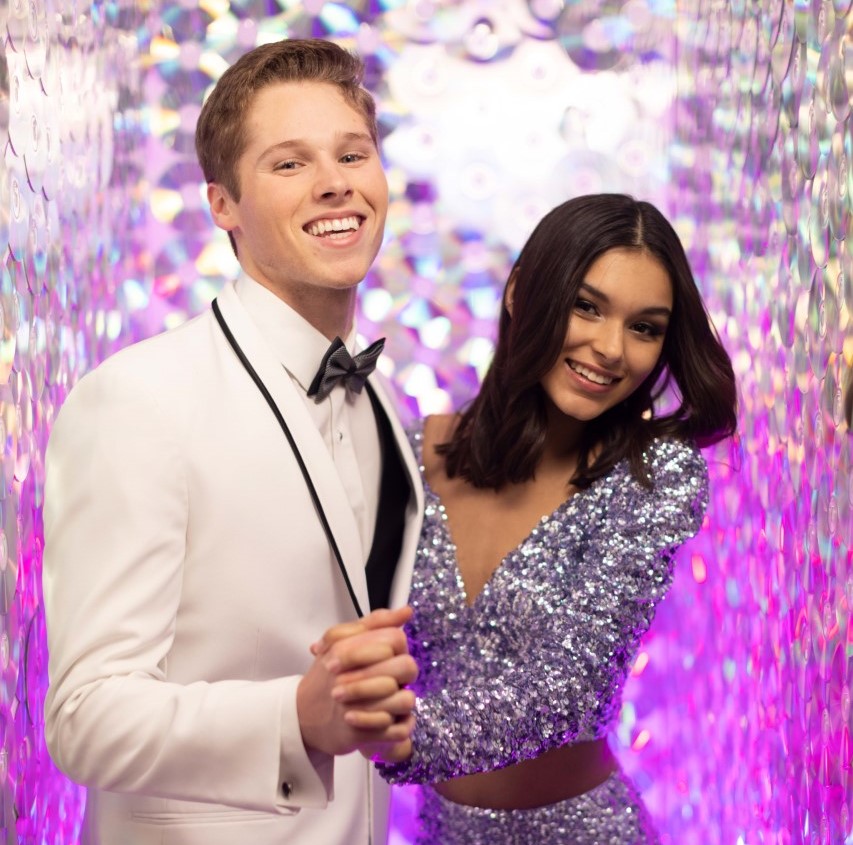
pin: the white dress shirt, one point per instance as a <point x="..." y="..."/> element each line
<point x="345" y="420"/>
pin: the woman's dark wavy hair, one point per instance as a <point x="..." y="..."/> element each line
<point x="500" y="436"/>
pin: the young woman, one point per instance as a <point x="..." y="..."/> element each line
<point x="554" y="505"/>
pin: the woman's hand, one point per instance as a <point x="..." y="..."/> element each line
<point x="372" y="693"/>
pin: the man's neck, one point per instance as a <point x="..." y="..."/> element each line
<point x="331" y="312"/>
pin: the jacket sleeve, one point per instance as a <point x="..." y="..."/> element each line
<point x="115" y="515"/>
<point x="559" y="680"/>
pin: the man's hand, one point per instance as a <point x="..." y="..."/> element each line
<point x="376" y="619"/>
<point x="352" y="697"/>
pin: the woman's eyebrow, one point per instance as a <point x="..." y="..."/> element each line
<point x="652" y="310"/>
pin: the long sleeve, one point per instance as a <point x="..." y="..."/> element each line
<point x="539" y="660"/>
<point x="116" y="523"/>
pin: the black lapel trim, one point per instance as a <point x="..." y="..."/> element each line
<point x="284" y="427"/>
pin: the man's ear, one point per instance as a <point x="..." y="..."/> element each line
<point x="509" y="293"/>
<point x="223" y="209"/>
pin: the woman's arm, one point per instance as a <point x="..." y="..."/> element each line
<point x="557" y="675"/>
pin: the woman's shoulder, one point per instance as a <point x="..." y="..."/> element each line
<point x="438" y="428"/>
<point x="669" y="503"/>
<point x="425" y="433"/>
<point x="674" y="468"/>
<point x="664" y="459"/>
<point x="671" y="456"/>
<point x="679" y="476"/>
<point x="430" y="432"/>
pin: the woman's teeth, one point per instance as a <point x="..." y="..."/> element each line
<point x="589" y="374"/>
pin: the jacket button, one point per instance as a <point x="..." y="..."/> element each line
<point x="286" y="789"/>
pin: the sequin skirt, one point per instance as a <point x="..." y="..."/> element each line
<point x="611" y="814"/>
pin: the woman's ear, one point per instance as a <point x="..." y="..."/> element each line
<point x="509" y="293"/>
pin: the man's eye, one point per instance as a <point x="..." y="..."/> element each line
<point x="352" y="158"/>
<point x="286" y="165"/>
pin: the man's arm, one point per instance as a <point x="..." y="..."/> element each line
<point x="116" y="514"/>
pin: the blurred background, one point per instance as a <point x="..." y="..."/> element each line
<point x="732" y="116"/>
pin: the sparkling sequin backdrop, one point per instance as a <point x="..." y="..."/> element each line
<point x="762" y="159"/>
<point x="733" y="116"/>
<point x="72" y="199"/>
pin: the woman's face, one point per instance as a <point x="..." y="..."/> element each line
<point x="615" y="334"/>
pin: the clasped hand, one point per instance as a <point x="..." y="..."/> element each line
<point x="353" y="696"/>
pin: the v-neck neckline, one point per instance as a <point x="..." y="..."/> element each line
<point x="567" y="504"/>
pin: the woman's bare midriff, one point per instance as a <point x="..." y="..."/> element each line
<point x="554" y="776"/>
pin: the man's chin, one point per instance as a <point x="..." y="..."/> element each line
<point x="344" y="276"/>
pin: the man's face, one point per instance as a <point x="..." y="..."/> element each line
<point x="313" y="194"/>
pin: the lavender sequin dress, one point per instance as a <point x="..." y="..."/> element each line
<point x="539" y="660"/>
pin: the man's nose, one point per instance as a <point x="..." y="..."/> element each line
<point x="332" y="180"/>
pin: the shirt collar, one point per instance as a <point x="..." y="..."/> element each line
<point x="297" y="344"/>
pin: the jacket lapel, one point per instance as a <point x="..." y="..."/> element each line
<point x="314" y="453"/>
<point x="415" y="509"/>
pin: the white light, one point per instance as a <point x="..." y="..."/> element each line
<point x="419" y="380"/>
<point x="435" y="401"/>
<point x="375" y="304"/>
<point x="435" y="333"/>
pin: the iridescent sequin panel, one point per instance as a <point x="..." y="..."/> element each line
<point x="735" y="117"/>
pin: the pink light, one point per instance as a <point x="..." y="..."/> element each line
<point x="700" y="571"/>
<point x="642" y="740"/>
<point x="640" y="664"/>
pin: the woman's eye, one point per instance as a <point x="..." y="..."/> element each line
<point x="585" y="306"/>
<point x="649" y="329"/>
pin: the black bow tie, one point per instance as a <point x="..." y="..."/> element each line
<point x="339" y="366"/>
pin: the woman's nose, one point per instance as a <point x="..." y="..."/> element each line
<point x="608" y="343"/>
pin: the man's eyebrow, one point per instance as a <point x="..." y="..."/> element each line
<point x="340" y="138"/>
<point x="661" y="311"/>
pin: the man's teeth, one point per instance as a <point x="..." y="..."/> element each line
<point x="589" y="374"/>
<point x="339" y="224"/>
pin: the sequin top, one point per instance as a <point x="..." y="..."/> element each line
<point x="540" y="658"/>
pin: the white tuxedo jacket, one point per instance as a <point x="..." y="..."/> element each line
<point x="185" y="575"/>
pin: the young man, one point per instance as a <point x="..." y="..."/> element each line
<point x="219" y="495"/>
